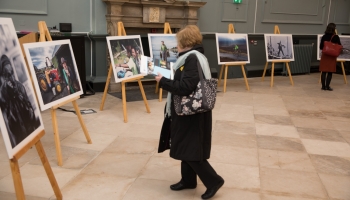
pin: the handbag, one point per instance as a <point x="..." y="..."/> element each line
<point x="331" y="49"/>
<point x="201" y="100"/>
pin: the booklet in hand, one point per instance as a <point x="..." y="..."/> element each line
<point x="150" y="66"/>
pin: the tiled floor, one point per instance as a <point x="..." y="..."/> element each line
<point x="280" y="143"/>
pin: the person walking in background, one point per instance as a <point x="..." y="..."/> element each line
<point x="190" y="134"/>
<point x="163" y="51"/>
<point x="68" y="76"/>
<point x="280" y="46"/>
<point x="328" y="63"/>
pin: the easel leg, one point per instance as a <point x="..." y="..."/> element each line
<point x="263" y="76"/>
<point x="245" y="77"/>
<point x="77" y="111"/>
<point x="144" y="95"/>
<point x="124" y="103"/>
<point x="157" y="88"/>
<point x="16" y="175"/>
<point x="290" y="75"/>
<point x="272" y="73"/>
<point x="57" y="137"/>
<point x="106" y="87"/>
<point x="220" y="76"/>
<point x="49" y="172"/>
<point x="225" y="79"/>
<point x="342" y="67"/>
<point x="160" y="94"/>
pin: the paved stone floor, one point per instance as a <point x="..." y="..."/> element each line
<point x="280" y="143"/>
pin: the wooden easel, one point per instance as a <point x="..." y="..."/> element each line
<point x="232" y="30"/>
<point x="167" y="30"/>
<point x="121" y="32"/>
<point x="16" y="175"/>
<point x="277" y="31"/>
<point x="44" y="34"/>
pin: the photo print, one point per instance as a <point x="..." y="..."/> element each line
<point x="151" y="66"/>
<point x="345" y="42"/>
<point x="20" y="119"/>
<point x="163" y="47"/>
<point x="232" y="48"/>
<point x="279" y="47"/>
<point x="125" y="53"/>
<point x="54" y="72"/>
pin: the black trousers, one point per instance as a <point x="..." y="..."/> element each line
<point x="326" y="81"/>
<point x="190" y="170"/>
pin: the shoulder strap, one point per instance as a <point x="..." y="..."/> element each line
<point x="332" y="37"/>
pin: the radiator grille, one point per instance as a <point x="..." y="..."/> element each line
<point x="302" y="59"/>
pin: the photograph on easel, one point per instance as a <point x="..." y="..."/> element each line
<point x="279" y="47"/>
<point x="345" y="42"/>
<point x="163" y="47"/>
<point x="125" y="53"/>
<point x="232" y="48"/>
<point x="20" y="119"/>
<point x="54" y="72"/>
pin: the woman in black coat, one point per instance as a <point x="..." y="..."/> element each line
<point x="328" y="63"/>
<point x="190" y="134"/>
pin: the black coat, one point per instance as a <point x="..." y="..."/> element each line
<point x="191" y="134"/>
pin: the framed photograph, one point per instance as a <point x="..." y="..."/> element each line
<point x="20" y="119"/>
<point x="163" y="47"/>
<point x="125" y="53"/>
<point x="54" y="72"/>
<point x="345" y="42"/>
<point x="279" y="47"/>
<point x="232" y="48"/>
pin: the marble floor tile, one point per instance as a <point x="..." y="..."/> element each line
<point x="306" y="184"/>
<point x="320" y="134"/>
<point x="307" y="114"/>
<point x="277" y="130"/>
<point x="242" y="128"/>
<point x="228" y="194"/>
<point x="238" y="176"/>
<point x="144" y="131"/>
<point x="341" y="125"/>
<point x="12" y="196"/>
<point x="299" y="103"/>
<point x="340" y="149"/>
<point x="148" y="189"/>
<point x="238" y="98"/>
<point x="280" y="143"/>
<point x="126" y="165"/>
<point x="331" y="164"/>
<point x="285" y="160"/>
<point x="162" y="168"/>
<point x="234" y="155"/>
<point x="288" y="197"/>
<point x="35" y="181"/>
<point x="129" y="145"/>
<point x="99" y="140"/>
<point x="338" y="115"/>
<point x="236" y="113"/>
<point x="99" y="187"/>
<point x="269" y="100"/>
<point x="273" y="119"/>
<point x="336" y="186"/>
<point x="291" y="91"/>
<point x="312" y="123"/>
<point x="234" y="140"/>
<point x="5" y="168"/>
<point x="345" y="135"/>
<point x="271" y="110"/>
<point x="72" y="158"/>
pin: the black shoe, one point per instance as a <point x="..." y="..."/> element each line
<point x="323" y="88"/>
<point x="330" y="89"/>
<point x="211" y="192"/>
<point x="181" y="186"/>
